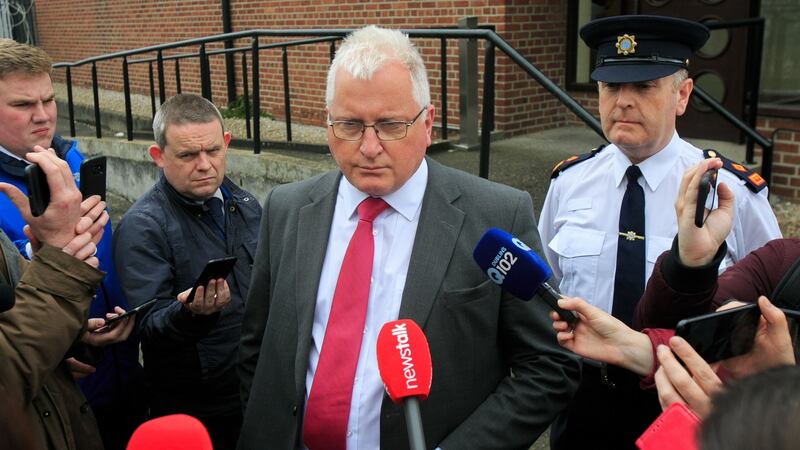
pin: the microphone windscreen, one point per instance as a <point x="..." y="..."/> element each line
<point x="404" y="360"/>
<point x="7" y="298"/>
<point x="174" y="432"/>
<point x="510" y="263"/>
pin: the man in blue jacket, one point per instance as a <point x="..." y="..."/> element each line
<point x="28" y="118"/>
<point x="191" y="215"/>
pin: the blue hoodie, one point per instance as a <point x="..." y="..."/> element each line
<point x="120" y="364"/>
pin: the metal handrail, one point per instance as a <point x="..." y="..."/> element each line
<point x="240" y="49"/>
<point x="317" y="35"/>
<point x="492" y="42"/>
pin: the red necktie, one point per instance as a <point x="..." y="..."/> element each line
<point x="328" y="408"/>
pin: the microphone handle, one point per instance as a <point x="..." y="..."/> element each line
<point x="550" y="296"/>
<point x="416" y="437"/>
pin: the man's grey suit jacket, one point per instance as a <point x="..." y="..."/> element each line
<point x="499" y="376"/>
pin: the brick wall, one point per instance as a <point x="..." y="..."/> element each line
<point x="75" y="29"/>
<point x="786" y="155"/>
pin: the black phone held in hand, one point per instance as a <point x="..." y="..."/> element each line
<point x="127" y="313"/>
<point x="38" y="189"/>
<point x="93" y="177"/>
<point x="708" y="182"/>
<point x="215" y="268"/>
<point x="722" y="334"/>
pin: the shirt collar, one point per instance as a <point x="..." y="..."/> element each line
<point x="217" y="194"/>
<point x="406" y="200"/>
<point x="654" y="168"/>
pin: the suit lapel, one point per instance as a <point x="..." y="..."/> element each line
<point x="439" y="226"/>
<point x="313" y="229"/>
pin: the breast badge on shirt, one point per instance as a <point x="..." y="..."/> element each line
<point x="751" y="178"/>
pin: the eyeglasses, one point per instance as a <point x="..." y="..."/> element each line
<point x="392" y="130"/>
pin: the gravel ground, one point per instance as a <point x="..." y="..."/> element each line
<point x="788" y="215"/>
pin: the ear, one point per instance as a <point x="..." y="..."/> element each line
<point x="683" y="93"/>
<point x="226" y="139"/>
<point x="157" y="154"/>
<point x="429" y="116"/>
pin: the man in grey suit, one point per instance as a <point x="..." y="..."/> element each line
<point x="499" y="377"/>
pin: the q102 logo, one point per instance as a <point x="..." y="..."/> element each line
<point x="504" y="261"/>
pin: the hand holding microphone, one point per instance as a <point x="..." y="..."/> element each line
<point x="404" y="363"/>
<point x="517" y="269"/>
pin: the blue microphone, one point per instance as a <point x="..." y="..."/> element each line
<point x="516" y="268"/>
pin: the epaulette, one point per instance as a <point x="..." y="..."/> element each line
<point x="751" y="178"/>
<point x="565" y="164"/>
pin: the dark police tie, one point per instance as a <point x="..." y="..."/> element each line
<point x="629" y="278"/>
<point x="214" y="206"/>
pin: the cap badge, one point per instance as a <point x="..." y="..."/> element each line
<point x="626" y="44"/>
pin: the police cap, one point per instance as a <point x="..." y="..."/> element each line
<point x="641" y="48"/>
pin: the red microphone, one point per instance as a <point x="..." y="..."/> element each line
<point x="404" y="363"/>
<point x="175" y="432"/>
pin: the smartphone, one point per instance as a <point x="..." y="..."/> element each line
<point x="127" y="313"/>
<point x="215" y="268"/>
<point x="708" y="182"/>
<point x="38" y="190"/>
<point x="674" y="428"/>
<point x="93" y="177"/>
<point x="723" y="334"/>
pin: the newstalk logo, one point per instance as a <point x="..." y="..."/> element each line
<point x="400" y="332"/>
<point x="404" y="360"/>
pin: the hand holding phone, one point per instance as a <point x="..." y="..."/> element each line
<point x="708" y="182"/>
<point x="111" y="320"/>
<point x="214" y="269"/>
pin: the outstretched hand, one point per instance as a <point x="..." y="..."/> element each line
<point x="602" y="337"/>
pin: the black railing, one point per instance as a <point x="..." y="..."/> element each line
<point x="491" y="39"/>
<point x="312" y="36"/>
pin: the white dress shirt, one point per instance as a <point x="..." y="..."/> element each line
<point x="394" y="231"/>
<point x="580" y="217"/>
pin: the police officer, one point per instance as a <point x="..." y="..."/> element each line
<point x="608" y="214"/>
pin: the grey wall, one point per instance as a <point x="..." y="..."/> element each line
<point x="131" y="172"/>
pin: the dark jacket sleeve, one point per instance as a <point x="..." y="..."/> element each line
<point x="146" y="271"/>
<point x="256" y="309"/>
<point x="675" y="292"/>
<point x="543" y="376"/>
<point x="52" y="301"/>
